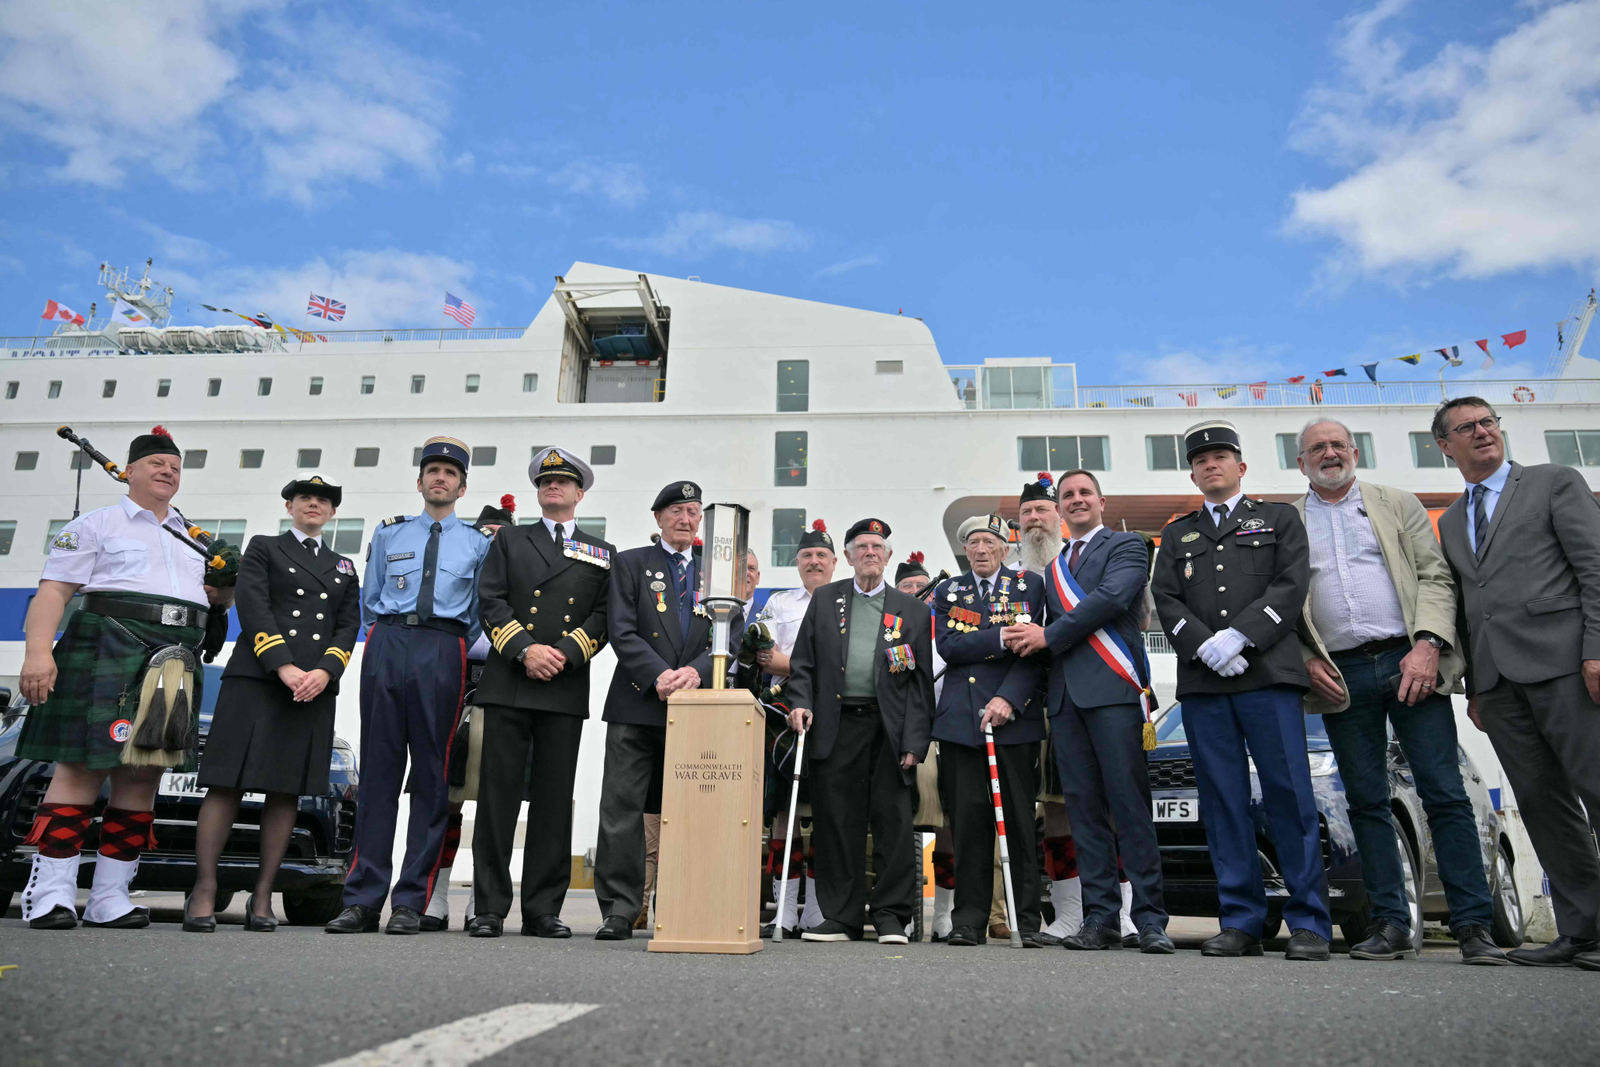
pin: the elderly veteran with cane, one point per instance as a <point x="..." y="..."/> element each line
<point x="103" y="707"/>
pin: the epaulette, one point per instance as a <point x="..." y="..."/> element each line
<point x="391" y="520"/>
<point x="488" y="534"/>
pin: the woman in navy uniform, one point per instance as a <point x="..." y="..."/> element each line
<point x="272" y="731"/>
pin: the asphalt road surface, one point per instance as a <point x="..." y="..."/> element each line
<point x="163" y="997"/>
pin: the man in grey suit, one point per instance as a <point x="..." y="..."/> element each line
<point x="1524" y="546"/>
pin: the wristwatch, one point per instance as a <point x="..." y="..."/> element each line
<point x="523" y="655"/>
<point x="1433" y="639"/>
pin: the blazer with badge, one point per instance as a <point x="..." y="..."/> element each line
<point x="648" y="642"/>
<point x="1252" y="574"/>
<point x="532" y="592"/>
<point x="1112" y="572"/>
<point x="980" y="668"/>
<point x="294" y="608"/>
<point x="816" y="669"/>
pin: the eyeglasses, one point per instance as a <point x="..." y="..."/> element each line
<point x="1467" y="429"/>
<point x="1340" y="447"/>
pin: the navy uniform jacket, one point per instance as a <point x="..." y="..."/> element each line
<point x="394" y="570"/>
<point x="294" y="608"/>
<point x="1111" y="573"/>
<point x="1251" y="574"/>
<point x="978" y="667"/>
<point x="648" y="641"/>
<point x="532" y="592"/>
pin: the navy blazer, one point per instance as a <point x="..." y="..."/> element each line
<point x="1112" y="571"/>
<point x="979" y="668"/>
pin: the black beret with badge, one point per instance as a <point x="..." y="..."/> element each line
<point x="313" y="486"/>
<point x="158" y="442"/>
<point x="684" y="492"/>
<point x="558" y="462"/>
<point x="1205" y="436"/>
<point x="877" y="527"/>
<point x="1042" y="488"/>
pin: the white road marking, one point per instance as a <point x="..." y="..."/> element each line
<point x="467" y="1040"/>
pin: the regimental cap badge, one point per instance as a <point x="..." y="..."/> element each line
<point x="688" y="490"/>
<point x="551" y="459"/>
<point x="875" y="527"/>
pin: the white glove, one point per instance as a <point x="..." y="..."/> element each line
<point x="1233" y="667"/>
<point x="1221" y="647"/>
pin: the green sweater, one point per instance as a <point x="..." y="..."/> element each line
<point x="866" y="615"/>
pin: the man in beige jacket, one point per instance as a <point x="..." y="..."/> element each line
<point x="1379" y="634"/>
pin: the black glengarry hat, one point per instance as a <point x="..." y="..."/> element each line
<point x="158" y="442"/>
<point x="1043" y="488"/>
<point x="313" y="486"/>
<point x="816" y="537"/>
<point x="504" y="515"/>
<point x="910" y="568"/>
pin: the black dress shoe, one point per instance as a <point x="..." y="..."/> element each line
<point x="789" y="933"/>
<point x="615" y="928"/>
<point x="1558" y="953"/>
<point x="1478" y="948"/>
<point x="1231" y="942"/>
<point x="1589" y="961"/>
<point x="485" y="926"/>
<point x="939" y="938"/>
<point x="1130" y="940"/>
<point x="1092" y="936"/>
<point x="1385" y="941"/>
<point x="259" y="924"/>
<point x="432" y="924"/>
<point x="356" y="919"/>
<point x="403" y="920"/>
<point x="963" y="936"/>
<point x="59" y="917"/>
<point x="198" y="924"/>
<point x="1031" y="940"/>
<point x="1154" y="940"/>
<point x="546" y="926"/>
<point x="1048" y="938"/>
<point x="136" y="919"/>
<point x="1305" y="945"/>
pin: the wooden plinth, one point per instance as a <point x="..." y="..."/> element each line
<point x="708" y="896"/>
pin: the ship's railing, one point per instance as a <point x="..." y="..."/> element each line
<point x="76" y="341"/>
<point x="1156" y="643"/>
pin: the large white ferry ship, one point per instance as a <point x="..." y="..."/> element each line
<point x="795" y="409"/>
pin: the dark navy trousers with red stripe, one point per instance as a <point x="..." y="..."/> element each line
<point x="412" y="682"/>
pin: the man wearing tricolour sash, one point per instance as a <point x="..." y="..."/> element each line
<point x="119" y="695"/>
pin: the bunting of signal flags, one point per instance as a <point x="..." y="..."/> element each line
<point x="1510" y="340"/>
<point x="266" y="323"/>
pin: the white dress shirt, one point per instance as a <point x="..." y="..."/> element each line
<point x="1353" y="599"/>
<point x="568" y="527"/>
<point x="1086" y="538"/>
<point x="783" y="613"/>
<point x="1495" y="484"/>
<point x="122" y="549"/>
<point x="1231" y="503"/>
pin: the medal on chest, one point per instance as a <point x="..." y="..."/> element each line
<point x="661" y="597"/>
<point x="891" y="627"/>
<point x="1188" y="568"/>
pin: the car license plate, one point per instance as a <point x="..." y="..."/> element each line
<point x="1181" y="809"/>
<point x="183" y="784"/>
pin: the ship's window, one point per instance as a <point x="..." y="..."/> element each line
<point x="345" y="535"/>
<point x="108" y="389"/>
<point x="366" y="457"/>
<point x="316" y="386"/>
<point x="56" y="526"/>
<point x="308" y="457"/>
<point x="367" y="384"/>
<point x="55" y="390"/>
<point x="789" y="457"/>
<point x="1063" y="453"/>
<point x="8" y="534"/>
<point x="263" y="387"/>
<point x="27" y="461"/>
<point x="891" y="366"/>
<point x="1161" y="452"/>
<point x="1573" y="448"/>
<point x="164" y="387"/>
<point x="594" y="526"/>
<point x="416" y="457"/>
<point x="540" y="448"/>
<point x="417" y="382"/>
<point x="1425" y="452"/>
<point x="194" y="459"/>
<point x="250" y="458"/>
<point x="472" y="383"/>
<point x="787" y="526"/>
<point x="794" y="385"/>
<point x="79" y="462"/>
<point x="230" y="530"/>
<point x="1013" y="387"/>
<point x="1288" y="451"/>
<point x="602" y="455"/>
<point x="214" y="387"/>
<point x="530" y="383"/>
<point x="11" y="390"/>
<point x="485" y="455"/>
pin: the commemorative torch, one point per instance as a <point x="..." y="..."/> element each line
<point x="724" y="580"/>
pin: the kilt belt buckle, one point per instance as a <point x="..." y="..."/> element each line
<point x="174" y="615"/>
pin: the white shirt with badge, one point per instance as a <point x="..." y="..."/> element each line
<point x="122" y="549"/>
<point x="783" y="613"/>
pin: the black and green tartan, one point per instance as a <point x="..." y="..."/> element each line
<point x="99" y="667"/>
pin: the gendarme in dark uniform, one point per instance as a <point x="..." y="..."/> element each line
<point x="1229" y="584"/>
<point x="546" y="584"/>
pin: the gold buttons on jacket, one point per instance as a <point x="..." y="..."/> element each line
<point x="566" y="618"/>
<point x="533" y="611"/>
<point x="295" y="613"/>
<point x="537" y="592"/>
<point x="571" y="601"/>
<point x="299" y="592"/>
<point x="971" y="680"/>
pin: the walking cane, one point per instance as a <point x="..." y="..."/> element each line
<point x="788" y="837"/>
<point x="1000" y="826"/>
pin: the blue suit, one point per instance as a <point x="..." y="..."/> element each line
<point x="1097" y="729"/>
<point x="413" y="678"/>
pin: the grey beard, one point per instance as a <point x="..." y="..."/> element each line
<point x="1330" y="480"/>
<point x="1039" y="548"/>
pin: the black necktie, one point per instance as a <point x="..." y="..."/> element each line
<point x="311" y="545"/>
<point x="430" y="564"/>
<point x="1222" y="513"/>
<point x="983" y="585"/>
<point x="680" y="568"/>
<point x="555" y="531"/>
<point x="1480" y="518"/>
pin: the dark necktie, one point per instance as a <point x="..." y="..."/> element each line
<point x="430" y="564"/>
<point x="311" y="545"/>
<point x="1222" y="514"/>
<point x="1480" y="518"/>
<point x="680" y="570"/>
<point x="1072" y="560"/>
<point x="983" y="588"/>
<point x="555" y="531"/>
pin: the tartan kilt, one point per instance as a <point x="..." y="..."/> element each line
<point x="99" y="667"/>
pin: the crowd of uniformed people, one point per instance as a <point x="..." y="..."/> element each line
<point x="971" y="703"/>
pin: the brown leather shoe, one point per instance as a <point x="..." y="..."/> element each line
<point x="643" y="921"/>
<point x="1000" y="931"/>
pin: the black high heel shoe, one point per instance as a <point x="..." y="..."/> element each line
<point x="198" y="924"/>
<point x="257" y="923"/>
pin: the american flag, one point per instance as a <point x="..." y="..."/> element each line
<point x="459" y="309"/>
<point x="325" y="307"/>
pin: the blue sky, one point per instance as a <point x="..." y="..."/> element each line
<point x="1158" y="191"/>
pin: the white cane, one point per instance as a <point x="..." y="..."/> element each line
<point x="1000" y="827"/>
<point x="788" y="837"/>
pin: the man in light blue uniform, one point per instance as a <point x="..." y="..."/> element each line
<point x="419" y="601"/>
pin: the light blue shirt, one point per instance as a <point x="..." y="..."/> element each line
<point x="394" y="571"/>
<point x="1496" y="484"/>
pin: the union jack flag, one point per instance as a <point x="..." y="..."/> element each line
<point x="325" y="307"/>
<point x="459" y="309"/>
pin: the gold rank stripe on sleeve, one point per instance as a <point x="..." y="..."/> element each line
<point x="340" y="654"/>
<point x="501" y="634"/>
<point x="264" y="642"/>
<point x="588" y="645"/>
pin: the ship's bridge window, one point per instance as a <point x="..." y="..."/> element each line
<point x="530" y="383"/>
<point x="368" y="383"/>
<point x="366" y="457"/>
<point x="418" y="382"/>
<point x="593" y="525"/>
<point x="263" y="387"/>
<point x="8" y="534"/>
<point x="1063" y="453"/>
<point x="1289" y="451"/>
<point x="787" y="526"/>
<point x="108" y="389"/>
<point x="1425" y="452"/>
<point x="472" y="383"/>
<point x="55" y="390"/>
<point x="27" y="461"/>
<point x="1573" y="448"/>
<point x="78" y="461"/>
<point x="316" y="386"/>
<point x="485" y="455"/>
<point x="214" y="387"/>
<point x="11" y="390"/>
<point x="194" y="459"/>
<point x="164" y="387"/>
<point x="789" y="457"/>
<point x="250" y="458"/>
<point x="615" y="348"/>
<point x="308" y="457"/>
<point x="602" y="455"/>
<point x="1161" y="452"/>
<point x="794" y="385"/>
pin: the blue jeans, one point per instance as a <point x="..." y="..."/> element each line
<point x="1427" y="735"/>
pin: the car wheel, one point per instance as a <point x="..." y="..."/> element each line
<point x="5" y="904"/>
<point x="312" y="909"/>
<point x="1509" y="925"/>
<point x="1411" y="879"/>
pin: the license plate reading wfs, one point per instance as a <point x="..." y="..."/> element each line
<point x="1184" y="809"/>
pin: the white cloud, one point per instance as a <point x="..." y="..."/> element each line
<point x="694" y="234"/>
<point x="1226" y="361"/>
<point x="514" y="171"/>
<point x="620" y="183"/>
<point x="1478" y="161"/>
<point x="846" y="266"/>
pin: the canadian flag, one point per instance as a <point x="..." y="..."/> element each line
<point x="61" y="313"/>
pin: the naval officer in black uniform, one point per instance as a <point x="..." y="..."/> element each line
<point x="542" y="597"/>
<point x="1229" y="585"/>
